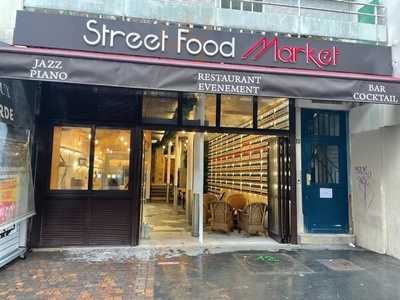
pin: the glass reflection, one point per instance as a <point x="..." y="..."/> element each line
<point x="111" y="159"/>
<point x="70" y="158"/>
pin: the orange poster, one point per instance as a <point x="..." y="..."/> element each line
<point x="8" y="199"/>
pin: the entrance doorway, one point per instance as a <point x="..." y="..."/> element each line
<point x="324" y="171"/>
<point x="164" y="165"/>
<point x="245" y="187"/>
<point x="99" y="148"/>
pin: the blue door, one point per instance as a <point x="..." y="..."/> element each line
<point x="324" y="171"/>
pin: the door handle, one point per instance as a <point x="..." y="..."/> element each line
<point x="308" y="179"/>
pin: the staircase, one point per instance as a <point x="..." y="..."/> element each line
<point x="158" y="193"/>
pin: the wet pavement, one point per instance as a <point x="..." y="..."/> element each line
<point x="300" y="274"/>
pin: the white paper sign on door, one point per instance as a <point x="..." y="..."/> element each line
<point x="325" y="193"/>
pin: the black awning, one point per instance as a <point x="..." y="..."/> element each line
<point x="122" y="71"/>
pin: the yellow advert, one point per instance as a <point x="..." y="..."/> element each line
<point x="8" y="199"/>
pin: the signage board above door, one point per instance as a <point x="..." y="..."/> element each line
<point x="157" y="40"/>
<point x="79" y="70"/>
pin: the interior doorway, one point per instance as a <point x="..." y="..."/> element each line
<point x="164" y="164"/>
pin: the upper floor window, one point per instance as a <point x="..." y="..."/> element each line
<point x="242" y="5"/>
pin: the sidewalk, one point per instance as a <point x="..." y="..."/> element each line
<point x="285" y="274"/>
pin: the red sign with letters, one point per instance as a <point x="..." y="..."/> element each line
<point x="290" y="54"/>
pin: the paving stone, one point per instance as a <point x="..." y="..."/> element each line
<point x="300" y="275"/>
<point x="340" y="265"/>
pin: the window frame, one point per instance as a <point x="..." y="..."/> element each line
<point x="242" y="5"/>
<point x="90" y="189"/>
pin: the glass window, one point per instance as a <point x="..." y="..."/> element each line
<point x="111" y="159"/>
<point x="235" y="4"/>
<point x="70" y="158"/>
<point x="324" y="124"/>
<point x="196" y="105"/>
<point x="236" y="111"/>
<point x="251" y="6"/>
<point x="258" y="7"/>
<point x="272" y="113"/>
<point x="160" y="107"/>
<point x="325" y="164"/>
<point x="226" y="3"/>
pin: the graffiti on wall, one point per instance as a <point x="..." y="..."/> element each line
<point x="364" y="177"/>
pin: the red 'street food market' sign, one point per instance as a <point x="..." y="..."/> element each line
<point x="291" y="54"/>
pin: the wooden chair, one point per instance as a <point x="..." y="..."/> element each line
<point x="221" y="216"/>
<point x="251" y="218"/>
<point x="207" y="200"/>
<point x="237" y="200"/>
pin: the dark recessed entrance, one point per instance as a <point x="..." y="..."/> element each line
<point x="91" y="142"/>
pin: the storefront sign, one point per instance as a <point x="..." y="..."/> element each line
<point x="8" y="200"/>
<point x="376" y="93"/>
<point x="48" y="69"/>
<point x="190" y="79"/>
<point x="7" y="110"/>
<point x="219" y="83"/>
<point x="288" y="54"/>
<point x="162" y="41"/>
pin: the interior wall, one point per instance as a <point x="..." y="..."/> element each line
<point x="158" y="166"/>
<point x="375" y="170"/>
<point x="239" y="164"/>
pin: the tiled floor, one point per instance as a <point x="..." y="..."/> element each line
<point x="165" y="222"/>
<point x="169" y="226"/>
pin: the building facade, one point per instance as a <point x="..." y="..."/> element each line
<point x="328" y="67"/>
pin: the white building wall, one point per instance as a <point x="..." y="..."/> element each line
<point x="8" y="10"/>
<point x="375" y="173"/>
<point x="334" y="23"/>
<point x="375" y="163"/>
<point x="393" y="8"/>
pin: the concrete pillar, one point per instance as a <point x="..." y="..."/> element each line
<point x="148" y="158"/>
<point x="189" y="178"/>
<point x="198" y="175"/>
<point x="168" y="170"/>
<point x="176" y="170"/>
<point x="198" y="162"/>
